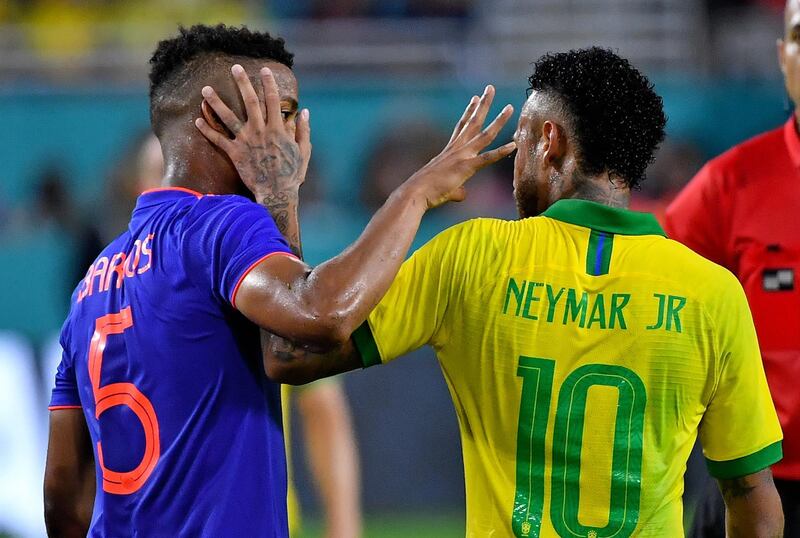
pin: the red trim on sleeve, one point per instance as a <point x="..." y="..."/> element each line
<point x="56" y="407"/>
<point x="182" y="189"/>
<point x="253" y="266"/>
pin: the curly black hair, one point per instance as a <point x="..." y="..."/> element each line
<point x="616" y="116"/>
<point x="174" y="54"/>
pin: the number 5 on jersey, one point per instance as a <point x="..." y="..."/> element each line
<point x="626" y="461"/>
<point x="115" y="394"/>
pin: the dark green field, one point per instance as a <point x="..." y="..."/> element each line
<point x="413" y="525"/>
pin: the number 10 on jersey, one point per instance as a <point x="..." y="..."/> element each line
<point x="626" y="461"/>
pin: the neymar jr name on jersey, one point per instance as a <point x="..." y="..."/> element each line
<point x="546" y="302"/>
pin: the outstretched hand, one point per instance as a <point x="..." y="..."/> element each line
<point x="269" y="155"/>
<point x="442" y="179"/>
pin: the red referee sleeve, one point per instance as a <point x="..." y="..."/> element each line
<point x="697" y="217"/>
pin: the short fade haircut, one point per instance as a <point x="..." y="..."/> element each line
<point x="616" y="117"/>
<point x="176" y="60"/>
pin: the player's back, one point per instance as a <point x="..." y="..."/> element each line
<point x="582" y="349"/>
<point x="186" y="427"/>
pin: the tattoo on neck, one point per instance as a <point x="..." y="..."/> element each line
<point x="604" y="192"/>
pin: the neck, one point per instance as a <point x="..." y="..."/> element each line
<point x="198" y="167"/>
<point x="604" y="191"/>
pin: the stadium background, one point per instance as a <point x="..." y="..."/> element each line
<point x="384" y="80"/>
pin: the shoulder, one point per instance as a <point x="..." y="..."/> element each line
<point x="704" y="278"/>
<point x="224" y="204"/>
<point x="706" y="198"/>
<point x="224" y="213"/>
<point x="740" y="157"/>
<point x="480" y="233"/>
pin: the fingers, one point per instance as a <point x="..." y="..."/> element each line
<point x="464" y="117"/>
<point x="221" y="109"/>
<point x="475" y="122"/>
<point x="491" y="157"/>
<point x="485" y="137"/>
<point x="214" y="136"/>
<point x="271" y="97"/>
<point x="483" y="106"/>
<point x="249" y="96"/>
<point x="302" y="133"/>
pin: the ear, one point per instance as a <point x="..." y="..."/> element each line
<point x="779" y="44"/>
<point x="213" y="120"/>
<point x="554" y="144"/>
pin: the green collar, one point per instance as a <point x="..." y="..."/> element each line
<point x="604" y="218"/>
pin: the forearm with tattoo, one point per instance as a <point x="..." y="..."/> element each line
<point x="753" y="508"/>
<point x="296" y="365"/>
<point x="281" y="198"/>
<point x="736" y="488"/>
<point x="276" y="170"/>
<point x="283" y="206"/>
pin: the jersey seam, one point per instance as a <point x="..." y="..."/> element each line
<point x="440" y="335"/>
<point x="747" y="453"/>
<point x="377" y="342"/>
<point x="441" y="341"/>
<point x="763" y="452"/>
<point x="253" y="266"/>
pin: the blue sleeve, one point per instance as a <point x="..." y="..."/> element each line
<point x="65" y="390"/>
<point x="226" y="237"/>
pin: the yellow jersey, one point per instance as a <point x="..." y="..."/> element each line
<point x="584" y="352"/>
<point x="292" y="504"/>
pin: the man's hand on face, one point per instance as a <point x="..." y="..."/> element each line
<point x="442" y="179"/>
<point x="270" y="156"/>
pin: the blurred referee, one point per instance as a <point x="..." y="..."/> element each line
<point x="742" y="211"/>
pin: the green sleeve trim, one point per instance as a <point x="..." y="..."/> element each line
<point x="746" y="465"/>
<point x="366" y="346"/>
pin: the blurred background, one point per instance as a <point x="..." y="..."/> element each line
<point x="385" y="80"/>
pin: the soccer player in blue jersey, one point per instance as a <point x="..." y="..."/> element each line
<point x="163" y="422"/>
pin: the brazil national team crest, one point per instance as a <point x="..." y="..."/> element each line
<point x="778" y="279"/>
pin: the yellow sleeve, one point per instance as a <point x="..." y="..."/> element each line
<point x="740" y="432"/>
<point x="413" y="311"/>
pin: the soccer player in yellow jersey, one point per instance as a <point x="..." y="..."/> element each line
<point x="584" y="351"/>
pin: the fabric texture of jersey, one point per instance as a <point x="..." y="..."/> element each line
<point x="584" y="351"/>
<point x="292" y="503"/>
<point x="740" y="212"/>
<point x="186" y="426"/>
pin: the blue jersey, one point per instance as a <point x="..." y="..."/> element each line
<point x="186" y="427"/>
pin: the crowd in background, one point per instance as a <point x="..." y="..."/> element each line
<point x="390" y="160"/>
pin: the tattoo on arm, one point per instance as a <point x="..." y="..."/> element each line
<point x="753" y="507"/>
<point x="286" y="350"/>
<point x="736" y="488"/>
<point x="283" y="206"/>
<point x="277" y="164"/>
<point x="277" y="168"/>
<point x="305" y="363"/>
